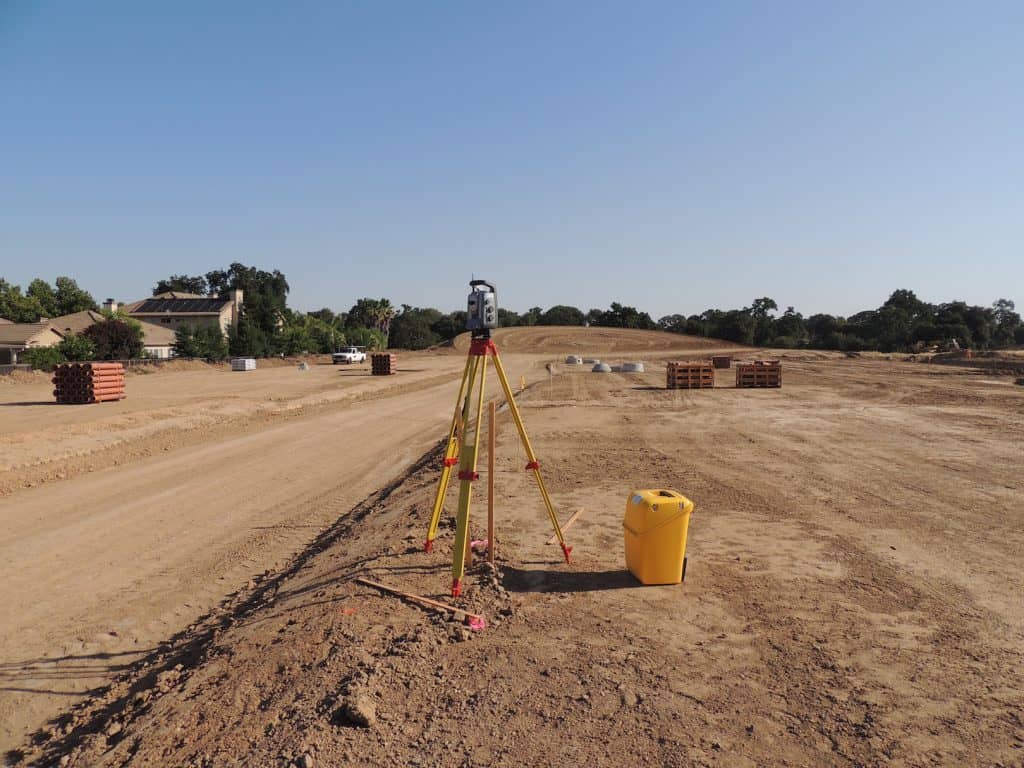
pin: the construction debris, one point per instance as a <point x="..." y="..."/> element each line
<point x="80" y="383"/>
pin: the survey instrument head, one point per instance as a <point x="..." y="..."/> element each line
<point x="481" y="307"/>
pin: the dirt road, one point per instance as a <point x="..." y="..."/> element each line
<point x="101" y="567"/>
<point x="852" y="595"/>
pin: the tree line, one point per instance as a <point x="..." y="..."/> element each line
<point x="268" y="327"/>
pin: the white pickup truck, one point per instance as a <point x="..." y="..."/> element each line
<point x="348" y="355"/>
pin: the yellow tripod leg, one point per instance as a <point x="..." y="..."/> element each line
<point x="467" y="474"/>
<point x="451" y="452"/>
<point x="533" y="463"/>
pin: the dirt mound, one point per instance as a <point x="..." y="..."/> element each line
<point x="24" y="377"/>
<point x="563" y="339"/>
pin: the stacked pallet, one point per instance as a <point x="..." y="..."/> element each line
<point x="243" y="364"/>
<point x="760" y="373"/>
<point x="383" y="364"/>
<point x="79" y="383"/>
<point x="721" y="361"/>
<point x="690" y="375"/>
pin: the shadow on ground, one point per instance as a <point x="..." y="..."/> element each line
<point x="521" y="580"/>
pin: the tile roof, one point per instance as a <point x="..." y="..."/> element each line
<point x="154" y="335"/>
<point x="19" y="334"/>
<point x="181" y="306"/>
<point x="75" y="322"/>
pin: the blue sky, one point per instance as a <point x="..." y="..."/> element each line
<point x="674" y="156"/>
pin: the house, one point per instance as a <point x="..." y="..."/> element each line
<point x="174" y="309"/>
<point x="157" y="340"/>
<point x="15" y="338"/>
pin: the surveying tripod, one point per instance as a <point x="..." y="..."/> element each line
<point x="462" y="452"/>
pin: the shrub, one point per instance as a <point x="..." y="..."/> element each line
<point x="116" y="339"/>
<point x="75" y="348"/>
<point x="43" y="358"/>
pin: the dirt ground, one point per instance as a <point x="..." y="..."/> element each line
<point x="852" y="593"/>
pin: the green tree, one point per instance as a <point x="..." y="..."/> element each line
<point x="264" y="308"/>
<point x="70" y="298"/>
<point x="182" y="284"/>
<point x="790" y="330"/>
<point x="764" y="324"/>
<point x="16" y="307"/>
<point x="531" y="316"/>
<point x="449" y="326"/>
<point x="560" y="314"/>
<point x="507" y="318"/>
<point x="735" y="325"/>
<point x="1007" y="322"/>
<point x="115" y="339"/>
<point x="672" y="323"/>
<point x="76" y="348"/>
<point x="370" y="338"/>
<point x="820" y="327"/>
<point x="412" y="328"/>
<point x="45" y="296"/>
<point x="619" y="316"/>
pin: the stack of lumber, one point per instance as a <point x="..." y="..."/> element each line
<point x="760" y="373"/>
<point x="79" y="383"/>
<point x="383" y="364"/>
<point x="690" y="375"/>
<point x="243" y="364"/>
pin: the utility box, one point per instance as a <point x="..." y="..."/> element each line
<point x="655" y="528"/>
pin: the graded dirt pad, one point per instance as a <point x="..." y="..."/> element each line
<point x="562" y="340"/>
<point x="852" y="595"/>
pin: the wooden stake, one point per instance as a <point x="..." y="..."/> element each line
<point x="473" y="619"/>
<point x="566" y="524"/>
<point x="490" y="482"/>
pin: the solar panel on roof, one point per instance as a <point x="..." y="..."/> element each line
<point x="181" y="305"/>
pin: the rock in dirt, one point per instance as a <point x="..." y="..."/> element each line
<point x="306" y="761"/>
<point x="359" y="711"/>
<point x="629" y="698"/>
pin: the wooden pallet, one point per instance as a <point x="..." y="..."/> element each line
<point x="689" y="376"/>
<point x="760" y="373"/>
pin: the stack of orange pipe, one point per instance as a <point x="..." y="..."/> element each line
<point x="80" y="383"/>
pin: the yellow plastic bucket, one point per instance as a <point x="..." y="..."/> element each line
<point x="655" y="529"/>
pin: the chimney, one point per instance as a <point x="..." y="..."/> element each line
<point x="110" y="305"/>
<point x="236" y="306"/>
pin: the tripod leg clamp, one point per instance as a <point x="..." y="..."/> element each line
<point x="533" y="465"/>
<point x="468" y="474"/>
